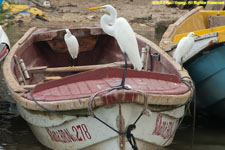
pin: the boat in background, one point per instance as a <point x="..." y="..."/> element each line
<point x="206" y="61"/>
<point x="4" y="44"/>
<point x="78" y="109"/>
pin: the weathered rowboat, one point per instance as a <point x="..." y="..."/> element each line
<point x="80" y="110"/>
<point x="4" y="44"/>
<point x="206" y="61"/>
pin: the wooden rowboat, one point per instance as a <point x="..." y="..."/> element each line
<point x="206" y="60"/>
<point x="77" y="109"/>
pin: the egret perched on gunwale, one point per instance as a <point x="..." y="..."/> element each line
<point x="184" y="47"/>
<point x="72" y="44"/>
<point x="121" y="30"/>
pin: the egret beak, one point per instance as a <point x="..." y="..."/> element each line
<point x="96" y="8"/>
<point x="195" y="35"/>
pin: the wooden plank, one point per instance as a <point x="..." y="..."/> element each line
<point x="216" y="21"/>
<point x="49" y="78"/>
<point x="74" y="68"/>
<point x="36" y="69"/>
<point x="29" y="87"/>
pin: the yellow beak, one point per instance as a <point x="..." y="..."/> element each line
<point x="196" y="35"/>
<point x="96" y="8"/>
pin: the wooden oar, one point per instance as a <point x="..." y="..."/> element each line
<point x="73" y="68"/>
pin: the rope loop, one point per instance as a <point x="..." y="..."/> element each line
<point x="130" y="136"/>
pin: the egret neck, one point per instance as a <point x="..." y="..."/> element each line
<point x="107" y="21"/>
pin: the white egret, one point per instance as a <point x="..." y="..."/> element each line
<point x="72" y="44"/>
<point x="120" y="29"/>
<point x="4" y="37"/>
<point x="183" y="47"/>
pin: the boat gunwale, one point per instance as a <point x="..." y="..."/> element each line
<point x="17" y="90"/>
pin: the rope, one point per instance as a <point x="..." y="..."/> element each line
<point x="192" y="89"/>
<point x="129" y="135"/>
<point x="120" y="133"/>
<point x="194" y="111"/>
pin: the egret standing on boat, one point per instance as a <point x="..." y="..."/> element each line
<point x="72" y="44"/>
<point x="184" y="46"/>
<point x="120" y="29"/>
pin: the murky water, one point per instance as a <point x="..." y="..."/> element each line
<point x="16" y="135"/>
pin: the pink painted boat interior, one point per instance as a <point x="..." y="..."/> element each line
<point x="47" y="48"/>
<point x="85" y="84"/>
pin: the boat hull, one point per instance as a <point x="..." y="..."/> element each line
<point x="208" y="72"/>
<point x="68" y="132"/>
<point x="51" y="108"/>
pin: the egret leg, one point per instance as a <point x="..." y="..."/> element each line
<point x="74" y="62"/>
<point x="122" y="85"/>
<point x="125" y="70"/>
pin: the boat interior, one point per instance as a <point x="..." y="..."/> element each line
<point x="43" y="56"/>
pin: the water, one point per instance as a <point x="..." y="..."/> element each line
<point x="16" y="135"/>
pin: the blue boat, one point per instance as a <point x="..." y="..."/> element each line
<point x="208" y="74"/>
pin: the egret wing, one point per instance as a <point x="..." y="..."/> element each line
<point x="72" y="45"/>
<point x="183" y="48"/>
<point x="3" y="37"/>
<point x="127" y="41"/>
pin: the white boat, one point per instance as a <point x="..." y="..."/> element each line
<point x="80" y="110"/>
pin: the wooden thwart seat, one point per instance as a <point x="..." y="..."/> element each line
<point x="73" y="68"/>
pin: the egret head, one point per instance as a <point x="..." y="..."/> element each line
<point x="68" y="32"/>
<point x="105" y="8"/>
<point x="192" y="34"/>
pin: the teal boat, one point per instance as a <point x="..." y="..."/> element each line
<point x="208" y="72"/>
